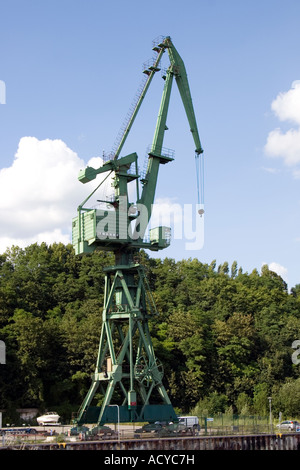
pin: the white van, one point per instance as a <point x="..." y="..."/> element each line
<point x="189" y="422"/>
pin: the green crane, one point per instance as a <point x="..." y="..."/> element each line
<point x="126" y="364"/>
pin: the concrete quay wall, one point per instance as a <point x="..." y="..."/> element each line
<point x="288" y="441"/>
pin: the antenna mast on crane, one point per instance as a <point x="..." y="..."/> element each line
<point x="126" y="359"/>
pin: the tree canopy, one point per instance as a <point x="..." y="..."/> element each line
<point x="224" y="337"/>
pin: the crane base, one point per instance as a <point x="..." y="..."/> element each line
<point x="114" y="413"/>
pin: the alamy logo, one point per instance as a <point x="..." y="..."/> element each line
<point x="186" y="221"/>
<point x="2" y="92"/>
<point x="295" y="358"/>
<point x="2" y="353"/>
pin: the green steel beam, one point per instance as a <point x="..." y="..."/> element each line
<point x="135" y="382"/>
<point x="179" y="71"/>
<point x="138" y="105"/>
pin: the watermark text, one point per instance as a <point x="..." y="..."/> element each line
<point x="2" y="92"/>
<point x="295" y="358"/>
<point x="185" y="221"/>
<point x="2" y="353"/>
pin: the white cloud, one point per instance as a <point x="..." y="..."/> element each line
<point x="50" y="237"/>
<point x="279" y="269"/>
<point x="271" y="170"/>
<point x="40" y="193"/>
<point x="166" y="211"/>
<point x="286" y="105"/>
<point x="296" y="174"/>
<point x="286" y="145"/>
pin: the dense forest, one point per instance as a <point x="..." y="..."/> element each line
<point x="224" y="336"/>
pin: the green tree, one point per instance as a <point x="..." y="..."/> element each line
<point x="187" y="339"/>
<point x="235" y="347"/>
<point x="286" y="398"/>
<point x="260" y="399"/>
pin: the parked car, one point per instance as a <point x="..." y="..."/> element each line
<point x="191" y="422"/>
<point x="290" y="425"/>
<point x="150" y="427"/>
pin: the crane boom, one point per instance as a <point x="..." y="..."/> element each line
<point x="178" y="68"/>
<point x="156" y="157"/>
<point x="151" y="74"/>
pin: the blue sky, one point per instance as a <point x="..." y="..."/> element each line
<point x="71" y="69"/>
